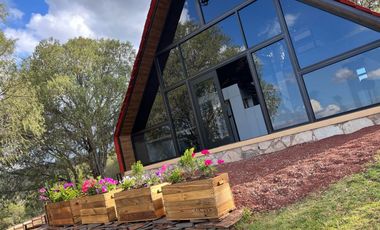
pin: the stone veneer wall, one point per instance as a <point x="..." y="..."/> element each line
<point x="277" y="144"/>
<point x="281" y="143"/>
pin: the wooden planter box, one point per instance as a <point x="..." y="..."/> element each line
<point x="140" y="204"/>
<point x="202" y="199"/>
<point x="64" y="212"/>
<point x="99" y="208"/>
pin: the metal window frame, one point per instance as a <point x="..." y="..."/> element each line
<point x="247" y="53"/>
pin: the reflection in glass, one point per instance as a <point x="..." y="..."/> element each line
<point x="154" y="145"/>
<point x="183" y="118"/>
<point x="318" y="35"/>
<point x="157" y="113"/>
<point x="212" y="46"/>
<point x="188" y="21"/>
<point x="214" y="8"/>
<point x="279" y="85"/>
<point x="241" y="99"/>
<point x="211" y="112"/>
<point x="259" y="22"/>
<point x="344" y="86"/>
<point x="172" y="67"/>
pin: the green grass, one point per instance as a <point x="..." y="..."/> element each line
<point x="352" y="203"/>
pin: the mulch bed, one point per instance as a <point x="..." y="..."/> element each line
<point x="274" y="180"/>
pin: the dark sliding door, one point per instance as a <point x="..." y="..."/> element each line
<point x="215" y="128"/>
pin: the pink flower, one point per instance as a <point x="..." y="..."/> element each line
<point x="42" y="190"/>
<point x="104" y="189"/>
<point x="205" y="152"/>
<point x="193" y="155"/>
<point x="164" y="168"/>
<point x="208" y="162"/>
<point x="220" y="161"/>
<point x="43" y="198"/>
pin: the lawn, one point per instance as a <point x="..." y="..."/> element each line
<point x="352" y="203"/>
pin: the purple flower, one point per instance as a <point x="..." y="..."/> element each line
<point x="97" y="191"/>
<point x="102" y="181"/>
<point x="104" y="189"/>
<point x="68" y="185"/>
<point x="42" y="190"/>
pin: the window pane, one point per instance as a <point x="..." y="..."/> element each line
<point x="188" y="21"/>
<point x="259" y="22"/>
<point x="214" y="8"/>
<point x="344" y="86"/>
<point x="157" y="113"/>
<point x="172" y="67"/>
<point x="183" y="118"/>
<point x="212" y="46"/>
<point x="318" y="35"/>
<point x="155" y="145"/>
<point x="279" y="85"/>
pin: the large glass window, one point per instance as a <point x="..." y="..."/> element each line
<point x="279" y="85"/>
<point x="189" y="19"/>
<point x="318" y="35"/>
<point x="221" y="41"/>
<point x="259" y="22"/>
<point x="344" y="86"/>
<point x="154" y="145"/>
<point x="172" y="67"/>
<point x="214" y="8"/>
<point x="157" y="113"/>
<point x="183" y="118"/>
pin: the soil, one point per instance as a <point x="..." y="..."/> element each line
<point x="274" y="180"/>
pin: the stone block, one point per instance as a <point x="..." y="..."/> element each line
<point x="287" y="140"/>
<point x="357" y="124"/>
<point x="328" y="131"/>
<point x="302" y="137"/>
<point x="232" y="156"/>
<point x="265" y="145"/>
<point x="375" y="118"/>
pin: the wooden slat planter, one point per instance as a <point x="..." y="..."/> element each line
<point x="99" y="208"/>
<point x="202" y="199"/>
<point x="140" y="204"/>
<point x="64" y="212"/>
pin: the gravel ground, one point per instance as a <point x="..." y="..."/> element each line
<point x="274" y="180"/>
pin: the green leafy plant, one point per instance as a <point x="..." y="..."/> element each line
<point x="98" y="186"/>
<point x="137" y="169"/>
<point x="140" y="178"/>
<point x="175" y="175"/>
<point x="59" y="192"/>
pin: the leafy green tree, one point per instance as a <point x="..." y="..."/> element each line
<point x="21" y="118"/>
<point x="370" y="4"/>
<point x="81" y="85"/>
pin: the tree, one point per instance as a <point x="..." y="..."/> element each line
<point x="20" y="112"/>
<point x="81" y="85"/>
<point x="370" y="4"/>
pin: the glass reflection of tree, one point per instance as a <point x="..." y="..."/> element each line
<point x="157" y="113"/>
<point x="173" y="72"/>
<point x="183" y="117"/>
<point x="271" y="95"/>
<point x="207" y="48"/>
<point x="211" y="110"/>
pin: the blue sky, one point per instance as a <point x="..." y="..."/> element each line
<point x="30" y="21"/>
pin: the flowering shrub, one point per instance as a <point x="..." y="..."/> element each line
<point x="191" y="168"/>
<point x="59" y="192"/>
<point x="98" y="186"/>
<point x="139" y="178"/>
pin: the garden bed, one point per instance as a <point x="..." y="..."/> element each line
<point x="278" y="179"/>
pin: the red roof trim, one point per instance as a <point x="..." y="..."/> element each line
<point x="356" y="6"/>
<point x="149" y="19"/>
<point x="136" y="65"/>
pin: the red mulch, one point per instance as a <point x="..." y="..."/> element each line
<point x="275" y="180"/>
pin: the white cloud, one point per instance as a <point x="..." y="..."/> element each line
<point x="375" y="74"/>
<point x="118" y="19"/>
<point x="343" y="74"/>
<point x="324" y="112"/>
<point x="291" y="19"/>
<point x="15" y="14"/>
